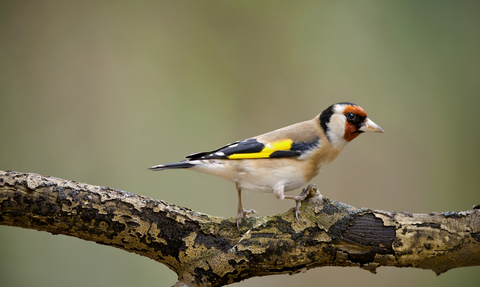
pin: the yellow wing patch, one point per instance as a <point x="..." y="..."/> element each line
<point x="266" y="151"/>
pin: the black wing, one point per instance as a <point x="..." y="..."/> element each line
<point x="253" y="149"/>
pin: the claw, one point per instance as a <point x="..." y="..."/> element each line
<point x="297" y="210"/>
<point x="242" y="213"/>
<point x="299" y="198"/>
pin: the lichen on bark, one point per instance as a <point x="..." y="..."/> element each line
<point x="206" y="250"/>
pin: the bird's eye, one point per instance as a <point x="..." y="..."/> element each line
<point x="350" y="116"/>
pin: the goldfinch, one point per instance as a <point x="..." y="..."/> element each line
<point x="284" y="159"/>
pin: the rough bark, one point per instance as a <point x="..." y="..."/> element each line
<point x="206" y="250"/>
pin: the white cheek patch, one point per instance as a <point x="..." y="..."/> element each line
<point x="336" y="128"/>
<point x="337" y="124"/>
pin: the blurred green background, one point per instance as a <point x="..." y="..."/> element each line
<point x="98" y="91"/>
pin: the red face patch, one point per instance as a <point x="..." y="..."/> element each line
<point x="351" y="130"/>
<point x="355" y="110"/>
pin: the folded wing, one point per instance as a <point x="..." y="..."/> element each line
<point x="254" y="149"/>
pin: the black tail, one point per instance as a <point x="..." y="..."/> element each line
<point x="175" y="165"/>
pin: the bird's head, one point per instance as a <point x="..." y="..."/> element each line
<point x="343" y="122"/>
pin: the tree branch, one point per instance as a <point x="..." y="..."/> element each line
<point x="206" y="250"/>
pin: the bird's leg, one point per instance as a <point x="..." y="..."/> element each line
<point x="298" y="203"/>
<point x="241" y="213"/>
<point x="299" y="198"/>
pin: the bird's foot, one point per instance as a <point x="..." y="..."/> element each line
<point x="242" y="213"/>
<point x="306" y="192"/>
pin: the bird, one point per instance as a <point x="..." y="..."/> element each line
<point x="284" y="159"/>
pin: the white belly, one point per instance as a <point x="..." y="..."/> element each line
<point x="257" y="174"/>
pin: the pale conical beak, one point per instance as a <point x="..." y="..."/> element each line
<point x="369" y="126"/>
